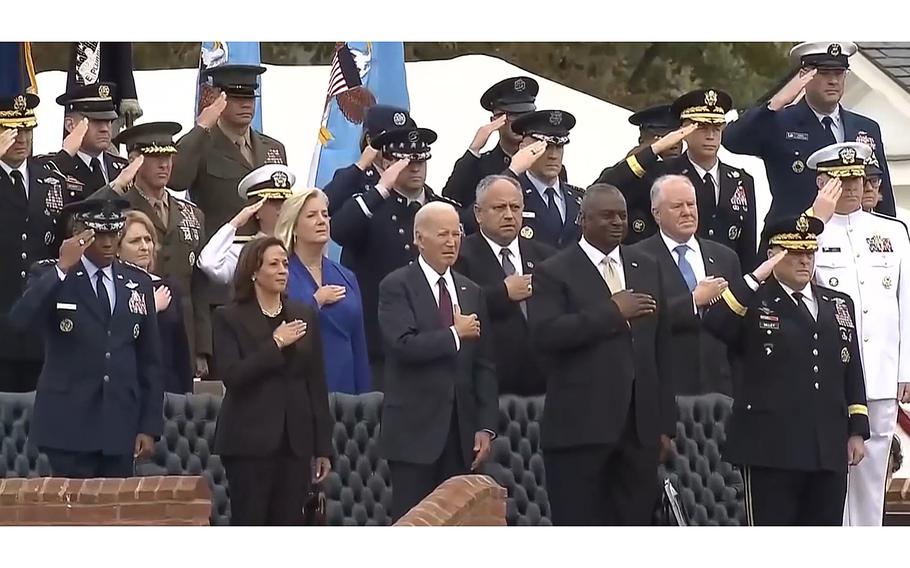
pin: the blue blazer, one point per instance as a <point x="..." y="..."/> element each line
<point x="101" y="382"/>
<point x="347" y="368"/>
<point x="785" y="139"/>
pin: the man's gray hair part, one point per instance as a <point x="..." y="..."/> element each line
<point x="427" y="210"/>
<point x="660" y="182"/>
<point x="488" y="181"/>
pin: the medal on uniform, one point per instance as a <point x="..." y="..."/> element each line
<point x="886" y="282"/>
<point x="739" y="197"/>
<point x="844" y="334"/>
<point x="638" y="225"/>
<point x="273" y="156"/>
<point x="136" y="331"/>
<point x="842" y="314"/>
<point x="798" y="167"/>
<point x="137" y="303"/>
<point x="733" y="233"/>
<point x="527" y="232"/>
<point x="529" y="264"/>
<point x="833" y="281"/>
<point x="845" y="355"/>
<point x="66" y="325"/>
<point x="131" y="285"/>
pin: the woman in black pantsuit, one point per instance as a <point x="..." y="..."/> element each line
<point x="274" y="421"/>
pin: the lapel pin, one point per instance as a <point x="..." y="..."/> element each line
<point x="463" y="288"/>
<point x="777" y="299"/>
<point x="634" y="265"/>
<point x="711" y="260"/>
<point x="119" y="277"/>
<point x="79" y="273"/>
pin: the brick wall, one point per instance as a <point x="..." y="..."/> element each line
<point x="171" y="500"/>
<point x="466" y="500"/>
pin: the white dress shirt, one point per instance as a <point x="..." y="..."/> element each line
<point x="90" y="271"/>
<point x="597" y="258"/>
<point x="715" y="176"/>
<point x="560" y="195"/>
<point x="23" y="169"/>
<point x="837" y="126"/>
<point x="88" y="162"/>
<point x="433" y="280"/>
<point x="808" y="298"/>
<point x="513" y="248"/>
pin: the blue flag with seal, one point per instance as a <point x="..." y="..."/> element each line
<point x="17" y="71"/>
<point x="215" y="53"/>
<point x="363" y="74"/>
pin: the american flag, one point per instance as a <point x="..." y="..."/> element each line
<point x="344" y="75"/>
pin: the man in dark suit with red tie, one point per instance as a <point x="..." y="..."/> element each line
<point x="599" y="321"/>
<point x="502" y="262"/>
<point x="440" y="409"/>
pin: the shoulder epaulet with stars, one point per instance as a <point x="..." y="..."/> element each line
<point x="575" y="191"/>
<point x="891" y="218"/>
<point x="448" y="200"/>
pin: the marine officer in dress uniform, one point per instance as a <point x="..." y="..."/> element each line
<point x="506" y="101"/>
<point x="868" y="258"/>
<point x="799" y="414"/>
<point x="99" y="400"/>
<point x="376" y="228"/>
<point x="365" y="172"/>
<point x="223" y="147"/>
<point x="551" y="205"/>
<point x="32" y="194"/>
<point x="88" y="118"/>
<point x="265" y="189"/>
<point x="180" y="226"/>
<point x="785" y="131"/>
<point x="660" y="138"/>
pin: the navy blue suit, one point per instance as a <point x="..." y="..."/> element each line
<point x="786" y="138"/>
<point x="101" y="382"/>
<point x="536" y="207"/>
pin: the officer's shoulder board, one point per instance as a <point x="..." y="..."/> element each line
<point x="119" y="161"/>
<point x="893" y="219"/>
<point x="43" y="264"/>
<point x="449" y="200"/>
<point x="575" y="191"/>
<point x="738" y="173"/>
<point x="832" y="295"/>
<point x="129" y="266"/>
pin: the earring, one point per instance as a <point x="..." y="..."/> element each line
<point x="253" y="278"/>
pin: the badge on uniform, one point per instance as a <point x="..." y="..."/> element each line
<point x="830" y="249"/>
<point x="48" y="238"/>
<point x="769" y="348"/>
<point x="273" y="156"/>
<point x="842" y="314"/>
<point x="733" y="233"/>
<point x="131" y="285"/>
<point x="66" y="325"/>
<point x="527" y="232"/>
<point x="845" y="335"/>
<point x="136" y="331"/>
<point x="797" y="136"/>
<point x="886" y="282"/>
<point x="877" y="243"/>
<point x="798" y="167"/>
<point x="739" y="198"/>
<point x="769" y="321"/>
<point x="638" y="225"/>
<point x="845" y="355"/>
<point x="53" y="199"/>
<point x="530" y="265"/>
<point x="863" y="137"/>
<point x="137" y="303"/>
<point x="833" y="281"/>
<point x="192" y="258"/>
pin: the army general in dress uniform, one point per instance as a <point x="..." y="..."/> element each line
<point x="223" y="147"/>
<point x="552" y="205"/>
<point x="99" y="400"/>
<point x="867" y="256"/>
<point x="376" y="227"/>
<point x="799" y="414"/>
<point x="784" y="134"/>
<point x="32" y="194"/>
<point x="180" y="226"/>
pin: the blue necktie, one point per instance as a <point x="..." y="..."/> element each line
<point x="552" y="218"/>
<point x="685" y="268"/>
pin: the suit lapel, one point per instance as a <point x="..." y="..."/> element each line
<point x="86" y="289"/>
<point x="490" y="262"/>
<point x="529" y="257"/>
<point x="258" y="147"/>
<point x="174" y="213"/>
<point x="727" y="184"/>
<point x="142" y="204"/>
<point x="37" y="190"/>
<point x="826" y="310"/>
<point x="807" y="118"/>
<point x="425" y="307"/>
<point x="122" y="293"/>
<point x="463" y="298"/>
<point x="848" y="124"/>
<point x="711" y="268"/>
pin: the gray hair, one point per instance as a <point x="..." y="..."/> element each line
<point x="420" y="219"/>
<point x="663" y="180"/>
<point x="488" y="181"/>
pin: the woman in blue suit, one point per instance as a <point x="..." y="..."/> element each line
<point x="303" y="225"/>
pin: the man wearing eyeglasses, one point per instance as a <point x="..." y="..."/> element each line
<point x="803" y="117"/>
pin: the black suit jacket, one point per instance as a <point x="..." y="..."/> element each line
<point x="267" y="387"/>
<point x="802" y="392"/>
<point x="594" y="359"/>
<point x="701" y="363"/>
<point x="517" y="369"/>
<point x="426" y="377"/>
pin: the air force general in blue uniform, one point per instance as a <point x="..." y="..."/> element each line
<point x="99" y="398"/>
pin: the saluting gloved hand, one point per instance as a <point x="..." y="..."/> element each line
<point x="130" y="111"/>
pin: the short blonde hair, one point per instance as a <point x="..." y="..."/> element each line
<point x="133" y="216"/>
<point x="287" y="217"/>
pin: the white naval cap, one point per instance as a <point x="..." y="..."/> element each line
<point x="847" y="159"/>
<point x="823" y="54"/>
<point x="273" y="181"/>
